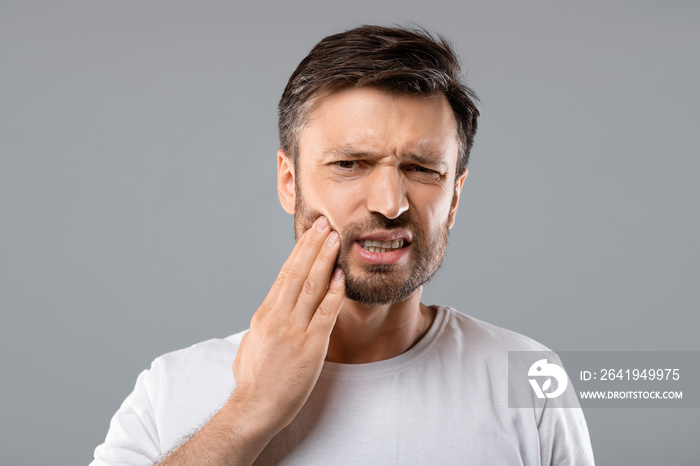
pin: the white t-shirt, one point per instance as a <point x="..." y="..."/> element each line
<point x="444" y="402"/>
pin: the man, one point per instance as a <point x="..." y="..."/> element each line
<point x="342" y="363"/>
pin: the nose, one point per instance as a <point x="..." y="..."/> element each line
<point x="386" y="192"/>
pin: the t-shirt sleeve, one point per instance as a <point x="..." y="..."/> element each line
<point x="132" y="438"/>
<point x="564" y="438"/>
<point x="563" y="433"/>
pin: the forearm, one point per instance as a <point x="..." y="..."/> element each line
<point x="234" y="436"/>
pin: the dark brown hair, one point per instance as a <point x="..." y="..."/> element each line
<point x="403" y="60"/>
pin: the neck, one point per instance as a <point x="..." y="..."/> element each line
<point x="364" y="334"/>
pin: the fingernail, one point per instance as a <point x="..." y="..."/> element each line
<point x="338" y="274"/>
<point x="332" y="239"/>
<point x="322" y="224"/>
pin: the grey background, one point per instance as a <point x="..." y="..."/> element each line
<point x="139" y="213"/>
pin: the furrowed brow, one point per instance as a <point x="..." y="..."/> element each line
<point x="348" y="152"/>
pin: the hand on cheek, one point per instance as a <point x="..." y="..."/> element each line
<point x="281" y="356"/>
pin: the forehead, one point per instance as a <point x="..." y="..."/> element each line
<point x="381" y="122"/>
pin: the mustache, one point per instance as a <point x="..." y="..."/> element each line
<point x="379" y="222"/>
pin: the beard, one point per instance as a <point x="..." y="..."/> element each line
<point x="382" y="283"/>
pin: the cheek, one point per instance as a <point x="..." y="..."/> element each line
<point x="337" y="201"/>
<point x="432" y="209"/>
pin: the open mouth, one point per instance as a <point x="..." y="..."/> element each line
<point x="373" y="245"/>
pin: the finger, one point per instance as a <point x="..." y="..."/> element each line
<point x="327" y="311"/>
<point x="291" y="278"/>
<point x="317" y="281"/>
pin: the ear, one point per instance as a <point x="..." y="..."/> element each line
<point x="285" y="182"/>
<point x="458" y="191"/>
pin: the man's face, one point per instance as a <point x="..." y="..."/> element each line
<point x="381" y="167"/>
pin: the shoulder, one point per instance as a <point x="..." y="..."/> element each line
<point x="189" y="369"/>
<point x="185" y="387"/>
<point x="204" y="354"/>
<point x="483" y="335"/>
<point x="181" y="390"/>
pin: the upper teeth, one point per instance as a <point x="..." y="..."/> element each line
<point x="373" y="245"/>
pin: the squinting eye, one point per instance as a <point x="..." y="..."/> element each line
<point x="346" y="164"/>
<point x="422" y="169"/>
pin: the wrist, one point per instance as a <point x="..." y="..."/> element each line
<point x="251" y="423"/>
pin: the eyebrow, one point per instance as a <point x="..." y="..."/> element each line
<point x="350" y="152"/>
